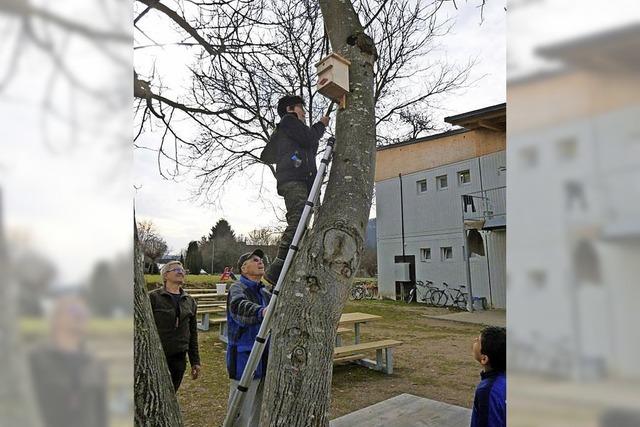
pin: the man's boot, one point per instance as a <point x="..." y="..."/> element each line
<point x="273" y="272"/>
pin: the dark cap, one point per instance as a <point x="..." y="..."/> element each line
<point x="288" y="101"/>
<point x="248" y="255"/>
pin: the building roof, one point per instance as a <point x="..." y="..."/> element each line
<point x="493" y="117"/>
<point x="613" y="50"/>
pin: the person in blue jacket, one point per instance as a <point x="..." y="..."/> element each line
<point x="490" y="401"/>
<point x="247" y="301"/>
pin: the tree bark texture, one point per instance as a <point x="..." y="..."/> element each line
<point x="298" y="384"/>
<point x="18" y="405"/>
<point x="155" y="401"/>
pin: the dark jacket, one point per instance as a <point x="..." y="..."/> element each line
<point x="71" y="388"/>
<point x="490" y="401"/>
<point x="245" y="300"/>
<point x="177" y="333"/>
<point x="294" y="138"/>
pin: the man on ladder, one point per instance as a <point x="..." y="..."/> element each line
<point x="308" y="191"/>
<point x="293" y="148"/>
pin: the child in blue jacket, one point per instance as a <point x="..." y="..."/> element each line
<point x="490" y="401"/>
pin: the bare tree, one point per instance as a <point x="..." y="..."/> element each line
<point x="256" y="53"/>
<point x="152" y="244"/>
<point x="156" y="404"/>
<point x="73" y="95"/>
<point x="265" y="236"/>
<point x="298" y="384"/>
<point x="16" y="389"/>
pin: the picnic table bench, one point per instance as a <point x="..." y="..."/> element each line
<point x="355" y="353"/>
<point x="205" y="321"/>
<point x="347" y="353"/>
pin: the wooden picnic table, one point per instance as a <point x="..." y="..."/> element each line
<point x="355" y="319"/>
<point x="346" y="320"/>
<point x="353" y="352"/>
<point x="208" y="295"/>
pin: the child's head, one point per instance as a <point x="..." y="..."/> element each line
<point x="490" y="348"/>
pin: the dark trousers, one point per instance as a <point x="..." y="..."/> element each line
<point x="177" y="365"/>
<point x="295" y="193"/>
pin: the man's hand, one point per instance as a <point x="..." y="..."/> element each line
<point x="324" y="120"/>
<point x="195" y="371"/>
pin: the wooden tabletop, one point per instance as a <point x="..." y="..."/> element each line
<point x="209" y="295"/>
<point x="352" y="318"/>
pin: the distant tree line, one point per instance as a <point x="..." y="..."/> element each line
<point x="220" y="248"/>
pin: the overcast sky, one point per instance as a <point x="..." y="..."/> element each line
<point x="68" y="196"/>
<point x="179" y="219"/>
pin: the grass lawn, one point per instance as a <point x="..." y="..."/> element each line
<point x="191" y="280"/>
<point x="434" y="362"/>
<point x="97" y="326"/>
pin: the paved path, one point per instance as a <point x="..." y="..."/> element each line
<point x="482" y="317"/>
<point x="406" y="410"/>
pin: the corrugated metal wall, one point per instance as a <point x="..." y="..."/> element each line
<point x="496" y="246"/>
<point x="433" y="219"/>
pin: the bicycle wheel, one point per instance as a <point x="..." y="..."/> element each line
<point x="427" y="295"/>
<point x="461" y="301"/>
<point x="438" y="298"/>
<point x="409" y="297"/>
<point x="357" y="293"/>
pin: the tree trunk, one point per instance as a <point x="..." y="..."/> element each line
<point x="19" y="406"/>
<point x="155" y="401"/>
<point x="298" y="384"/>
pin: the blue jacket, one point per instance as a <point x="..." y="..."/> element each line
<point x="490" y="401"/>
<point x="245" y="300"/>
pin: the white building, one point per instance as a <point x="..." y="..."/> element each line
<point x="420" y="207"/>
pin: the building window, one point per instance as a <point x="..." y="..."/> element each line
<point x="575" y="196"/>
<point x="446" y="253"/>
<point x="464" y="177"/>
<point x="529" y="157"/>
<point x="567" y="149"/>
<point x="422" y="186"/>
<point x="425" y="254"/>
<point x="441" y="182"/>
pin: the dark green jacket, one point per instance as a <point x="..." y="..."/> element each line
<point x="177" y="334"/>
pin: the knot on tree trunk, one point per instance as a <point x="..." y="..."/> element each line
<point x="364" y="43"/>
<point x="312" y="284"/>
<point x="340" y="252"/>
<point x="298" y="357"/>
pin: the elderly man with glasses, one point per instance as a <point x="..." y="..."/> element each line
<point x="175" y="314"/>
<point x="246" y="304"/>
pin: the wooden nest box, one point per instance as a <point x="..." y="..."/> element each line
<point x="333" y="77"/>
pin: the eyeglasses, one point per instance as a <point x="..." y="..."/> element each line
<point x="253" y="259"/>
<point x="177" y="270"/>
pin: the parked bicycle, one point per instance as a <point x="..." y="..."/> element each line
<point x="360" y="291"/>
<point x="428" y="289"/>
<point x="447" y="296"/>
